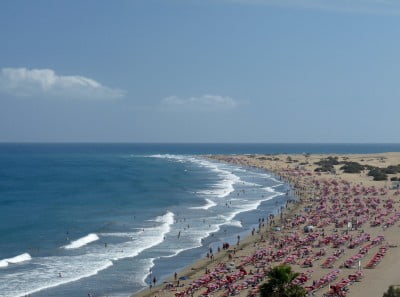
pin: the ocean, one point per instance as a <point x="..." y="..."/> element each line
<point x="103" y="218"/>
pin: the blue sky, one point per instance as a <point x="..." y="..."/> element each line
<point x="200" y="71"/>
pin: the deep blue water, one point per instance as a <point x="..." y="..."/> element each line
<point x="201" y="148"/>
<point x="126" y="204"/>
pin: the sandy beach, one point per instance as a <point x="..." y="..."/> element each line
<point x="351" y="249"/>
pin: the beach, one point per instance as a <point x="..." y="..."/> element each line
<point x="109" y="214"/>
<point x="351" y="248"/>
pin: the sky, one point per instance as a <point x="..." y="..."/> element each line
<point x="200" y="71"/>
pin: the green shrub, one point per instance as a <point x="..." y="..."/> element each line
<point x="326" y="165"/>
<point x="378" y="174"/>
<point x="352" y="167"/>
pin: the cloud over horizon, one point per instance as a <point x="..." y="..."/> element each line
<point x="23" y="82"/>
<point x="204" y="102"/>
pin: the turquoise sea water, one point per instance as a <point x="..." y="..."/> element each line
<point x="95" y="218"/>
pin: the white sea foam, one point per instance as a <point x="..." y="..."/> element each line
<point x="271" y="190"/>
<point x="14" y="260"/>
<point x="248" y="205"/>
<point x="192" y="237"/>
<point x="115" y="234"/>
<point x="239" y="170"/>
<point x="97" y="257"/>
<point x="82" y="241"/>
<point x="234" y="223"/>
<point x="167" y="219"/>
<point x="175" y="253"/>
<point x="208" y="205"/>
<point x="222" y="189"/>
<point x="227" y="179"/>
<point x="76" y="267"/>
<point x="227" y="217"/>
<point x="146" y="239"/>
<point x="21" y="258"/>
<point x="250" y="184"/>
<point x="146" y="265"/>
<point x="35" y="281"/>
<point x="274" y="179"/>
<point x="255" y="204"/>
<point x="264" y="175"/>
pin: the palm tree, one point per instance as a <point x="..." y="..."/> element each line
<point x="392" y="292"/>
<point x="280" y="283"/>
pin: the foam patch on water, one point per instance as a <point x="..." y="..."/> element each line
<point x="234" y="223"/>
<point x="159" y="241"/>
<point x="264" y="175"/>
<point x="47" y="274"/>
<point x="208" y="205"/>
<point x="14" y="260"/>
<point x="82" y="241"/>
<point x="45" y="271"/>
<point x="250" y="184"/>
<point x="227" y="179"/>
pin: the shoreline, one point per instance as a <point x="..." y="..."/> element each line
<point x="201" y="264"/>
<point x="385" y="272"/>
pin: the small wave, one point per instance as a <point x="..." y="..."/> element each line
<point x="176" y="253"/>
<point x="168" y="218"/>
<point x="274" y="179"/>
<point x="234" y="223"/>
<point x="250" y="184"/>
<point x="147" y="265"/>
<point x="272" y="190"/>
<point x="96" y="259"/>
<point x="82" y="241"/>
<point x="14" y="260"/>
<point x="167" y="156"/>
<point x="149" y="237"/>
<point x="255" y="204"/>
<point x="65" y="279"/>
<point x="248" y="205"/>
<point x="222" y="188"/>
<point x="208" y="205"/>
<point x="115" y="234"/>
<point x="264" y="175"/>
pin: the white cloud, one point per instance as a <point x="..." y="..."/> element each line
<point x="205" y="102"/>
<point x="353" y="6"/>
<point x="24" y="82"/>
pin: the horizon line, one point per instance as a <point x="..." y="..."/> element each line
<point x="103" y="142"/>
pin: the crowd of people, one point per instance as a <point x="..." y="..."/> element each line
<point x="328" y="224"/>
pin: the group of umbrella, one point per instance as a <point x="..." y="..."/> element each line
<point x="335" y="220"/>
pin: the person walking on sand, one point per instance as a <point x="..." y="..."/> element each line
<point x="154" y="281"/>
